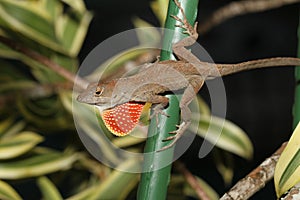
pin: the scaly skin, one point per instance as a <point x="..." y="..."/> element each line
<point x="187" y="74"/>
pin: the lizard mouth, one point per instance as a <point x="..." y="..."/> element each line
<point x="92" y="100"/>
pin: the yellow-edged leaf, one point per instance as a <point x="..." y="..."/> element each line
<point x="127" y="141"/>
<point x="287" y="171"/>
<point x="46" y="23"/>
<point x="7" y="192"/>
<point x="224" y="134"/>
<point x="48" y="189"/>
<point x="37" y="165"/>
<point x="121" y="181"/>
<point x="89" y="124"/>
<point x="13" y="146"/>
<point x="5" y="124"/>
<point x="209" y="191"/>
<point x="146" y="33"/>
<point x="109" y="68"/>
<point x="160" y="8"/>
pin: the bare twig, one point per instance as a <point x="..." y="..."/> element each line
<point x="80" y="83"/>
<point x="191" y="179"/>
<point x="240" y="8"/>
<point x="293" y="193"/>
<point x="255" y="180"/>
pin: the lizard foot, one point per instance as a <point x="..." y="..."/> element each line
<point x="189" y="29"/>
<point x="178" y="133"/>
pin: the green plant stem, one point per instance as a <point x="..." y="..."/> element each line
<point x="296" y="109"/>
<point x="157" y="165"/>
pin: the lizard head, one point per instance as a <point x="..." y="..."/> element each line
<point x="119" y="119"/>
<point x="99" y="94"/>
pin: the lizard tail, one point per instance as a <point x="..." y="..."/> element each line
<point x="226" y="69"/>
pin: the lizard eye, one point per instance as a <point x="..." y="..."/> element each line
<point x="99" y="91"/>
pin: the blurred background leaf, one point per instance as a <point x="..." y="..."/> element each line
<point x="287" y="171"/>
<point x="39" y="145"/>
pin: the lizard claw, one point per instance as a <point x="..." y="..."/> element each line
<point x="178" y="133"/>
<point x="189" y="29"/>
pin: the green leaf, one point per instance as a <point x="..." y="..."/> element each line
<point x="224" y="133"/>
<point x="115" y="64"/>
<point x="287" y="171"/>
<point x="37" y="165"/>
<point x="5" y="124"/>
<point x="121" y="182"/>
<point x="198" y="105"/>
<point x="160" y="8"/>
<point x="46" y="23"/>
<point x="47" y="114"/>
<point x="48" y="189"/>
<point x="146" y="36"/>
<point x="211" y="193"/>
<point x="7" y="192"/>
<point x="77" y="5"/>
<point x="84" y="194"/>
<point x="127" y="141"/>
<point x="11" y="147"/>
<point x="89" y="123"/>
<point x="53" y="8"/>
<point x="27" y="18"/>
<point x="224" y="162"/>
<point x="16" y="128"/>
<point x="46" y="75"/>
<point x="16" y="85"/>
<point x="72" y="32"/>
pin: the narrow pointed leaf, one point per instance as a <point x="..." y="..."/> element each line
<point x="209" y="191"/>
<point x="11" y="147"/>
<point x="160" y="7"/>
<point x="48" y="189"/>
<point x="228" y="136"/>
<point x="287" y="171"/>
<point x="47" y="23"/>
<point x="16" y="128"/>
<point x="37" y="165"/>
<point x="122" y="182"/>
<point x="72" y="32"/>
<point x="27" y="18"/>
<point x="146" y="36"/>
<point x="7" y="192"/>
<point x="90" y="125"/>
<point x="5" y="124"/>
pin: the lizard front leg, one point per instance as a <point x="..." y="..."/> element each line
<point x="161" y="102"/>
<point x="179" y="48"/>
<point x="195" y="83"/>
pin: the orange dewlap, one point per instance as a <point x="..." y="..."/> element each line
<point x="122" y="119"/>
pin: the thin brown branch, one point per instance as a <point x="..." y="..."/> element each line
<point x="80" y="83"/>
<point x="240" y="8"/>
<point x="191" y="179"/>
<point x="293" y="193"/>
<point x="255" y="180"/>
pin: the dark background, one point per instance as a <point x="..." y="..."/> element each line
<point x="259" y="101"/>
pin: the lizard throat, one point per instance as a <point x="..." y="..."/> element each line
<point x="122" y="119"/>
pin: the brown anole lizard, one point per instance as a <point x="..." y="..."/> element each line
<point x="121" y="100"/>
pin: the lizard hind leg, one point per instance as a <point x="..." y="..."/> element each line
<point x="189" y="94"/>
